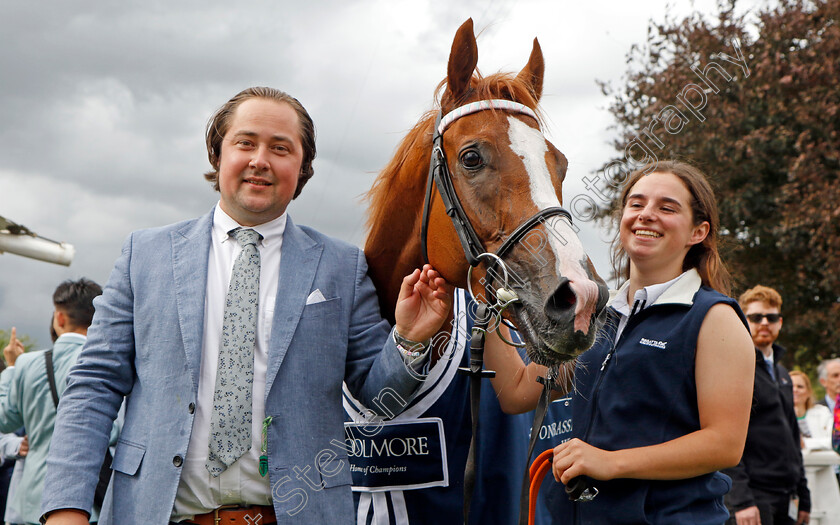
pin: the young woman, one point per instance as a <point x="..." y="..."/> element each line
<point x="815" y="421"/>
<point x="661" y="402"/>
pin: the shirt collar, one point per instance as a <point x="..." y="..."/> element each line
<point x="272" y="231"/>
<point x="645" y="296"/>
<point x="69" y="337"/>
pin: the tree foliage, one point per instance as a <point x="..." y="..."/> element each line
<point x="769" y="139"/>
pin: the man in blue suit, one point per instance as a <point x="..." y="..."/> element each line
<point x="161" y="336"/>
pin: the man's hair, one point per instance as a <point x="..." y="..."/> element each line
<point x="764" y="294"/>
<point x="822" y="369"/>
<point x="53" y="335"/>
<point x="219" y="124"/>
<point x="75" y="300"/>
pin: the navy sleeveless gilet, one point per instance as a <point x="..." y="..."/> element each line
<point x="645" y="394"/>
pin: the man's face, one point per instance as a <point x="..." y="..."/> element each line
<point x="763" y="332"/>
<point x="831" y="383"/>
<point x="260" y="162"/>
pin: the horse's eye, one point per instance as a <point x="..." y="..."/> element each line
<point x="471" y="160"/>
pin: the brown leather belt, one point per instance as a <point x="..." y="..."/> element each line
<point x="253" y="515"/>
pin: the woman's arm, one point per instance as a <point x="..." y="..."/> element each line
<point x="515" y="383"/>
<point x="724" y="373"/>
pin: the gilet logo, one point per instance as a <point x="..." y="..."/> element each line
<point x="654" y="343"/>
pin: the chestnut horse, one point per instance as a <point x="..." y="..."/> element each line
<point x="507" y="178"/>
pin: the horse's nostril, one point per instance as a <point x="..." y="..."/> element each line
<point x="561" y="301"/>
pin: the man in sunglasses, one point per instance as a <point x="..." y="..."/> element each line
<point x="769" y="485"/>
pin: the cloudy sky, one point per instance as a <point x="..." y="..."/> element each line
<point x="103" y="106"/>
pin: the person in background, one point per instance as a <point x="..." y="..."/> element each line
<point x="770" y="479"/>
<point x="829" y="375"/>
<point x="828" y="372"/>
<point x="815" y="421"/>
<point x="835" y="435"/>
<point x="11" y="516"/>
<point x="13" y="448"/>
<point x="26" y="397"/>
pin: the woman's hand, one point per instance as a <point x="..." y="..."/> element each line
<point x="575" y="458"/>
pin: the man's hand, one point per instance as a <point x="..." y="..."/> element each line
<point x="13" y="350"/>
<point x="23" y="450"/>
<point x="424" y="302"/>
<point x="68" y="517"/>
<point x="748" y="516"/>
<point x="803" y="518"/>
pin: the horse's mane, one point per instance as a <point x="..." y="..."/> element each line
<point x="382" y="192"/>
<point x="415" y="148"/>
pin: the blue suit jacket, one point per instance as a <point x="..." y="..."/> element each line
<point x="145" y="343"/>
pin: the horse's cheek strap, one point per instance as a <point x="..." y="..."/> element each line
<point x="470" y="242"/>
<point x="439" y="176"/>
<point x="427" y="202"/>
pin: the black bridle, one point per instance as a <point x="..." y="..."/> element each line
<point x="440" y="176"/>
<point x="474" y="251"/>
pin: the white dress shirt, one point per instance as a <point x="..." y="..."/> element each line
<point x="199" y="492"/>
<point x="643" y="298"/>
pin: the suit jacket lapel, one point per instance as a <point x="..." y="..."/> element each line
<point x="190" y="250"/>
<point x="298" y="265"/>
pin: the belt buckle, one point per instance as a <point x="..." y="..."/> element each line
<point x="218" y="519"/>
<point x="256" y="520"/>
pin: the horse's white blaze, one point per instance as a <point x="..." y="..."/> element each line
<point x="530" y="145"/>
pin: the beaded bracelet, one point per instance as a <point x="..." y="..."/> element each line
<point x="409" y="348"/>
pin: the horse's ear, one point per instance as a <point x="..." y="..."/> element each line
<point x="532" y="73"/>
<point x="462" y="60"/>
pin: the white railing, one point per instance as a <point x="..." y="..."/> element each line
<point x="825" y="493"/>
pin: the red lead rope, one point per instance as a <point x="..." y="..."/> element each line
<point x="539" y="468"/>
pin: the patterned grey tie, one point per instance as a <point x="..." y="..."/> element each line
<point x="230" y="423"/>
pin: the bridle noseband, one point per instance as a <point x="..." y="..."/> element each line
<point x="440" y="176"/>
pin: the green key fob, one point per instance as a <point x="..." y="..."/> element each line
<point x="263" y="465"/>
<point x="264" y="447"/>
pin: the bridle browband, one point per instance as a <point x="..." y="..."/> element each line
<point x="440" y="176"/>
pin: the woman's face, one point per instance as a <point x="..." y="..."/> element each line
<point x="657" y="225"/>
<point x="800" y="390"/>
